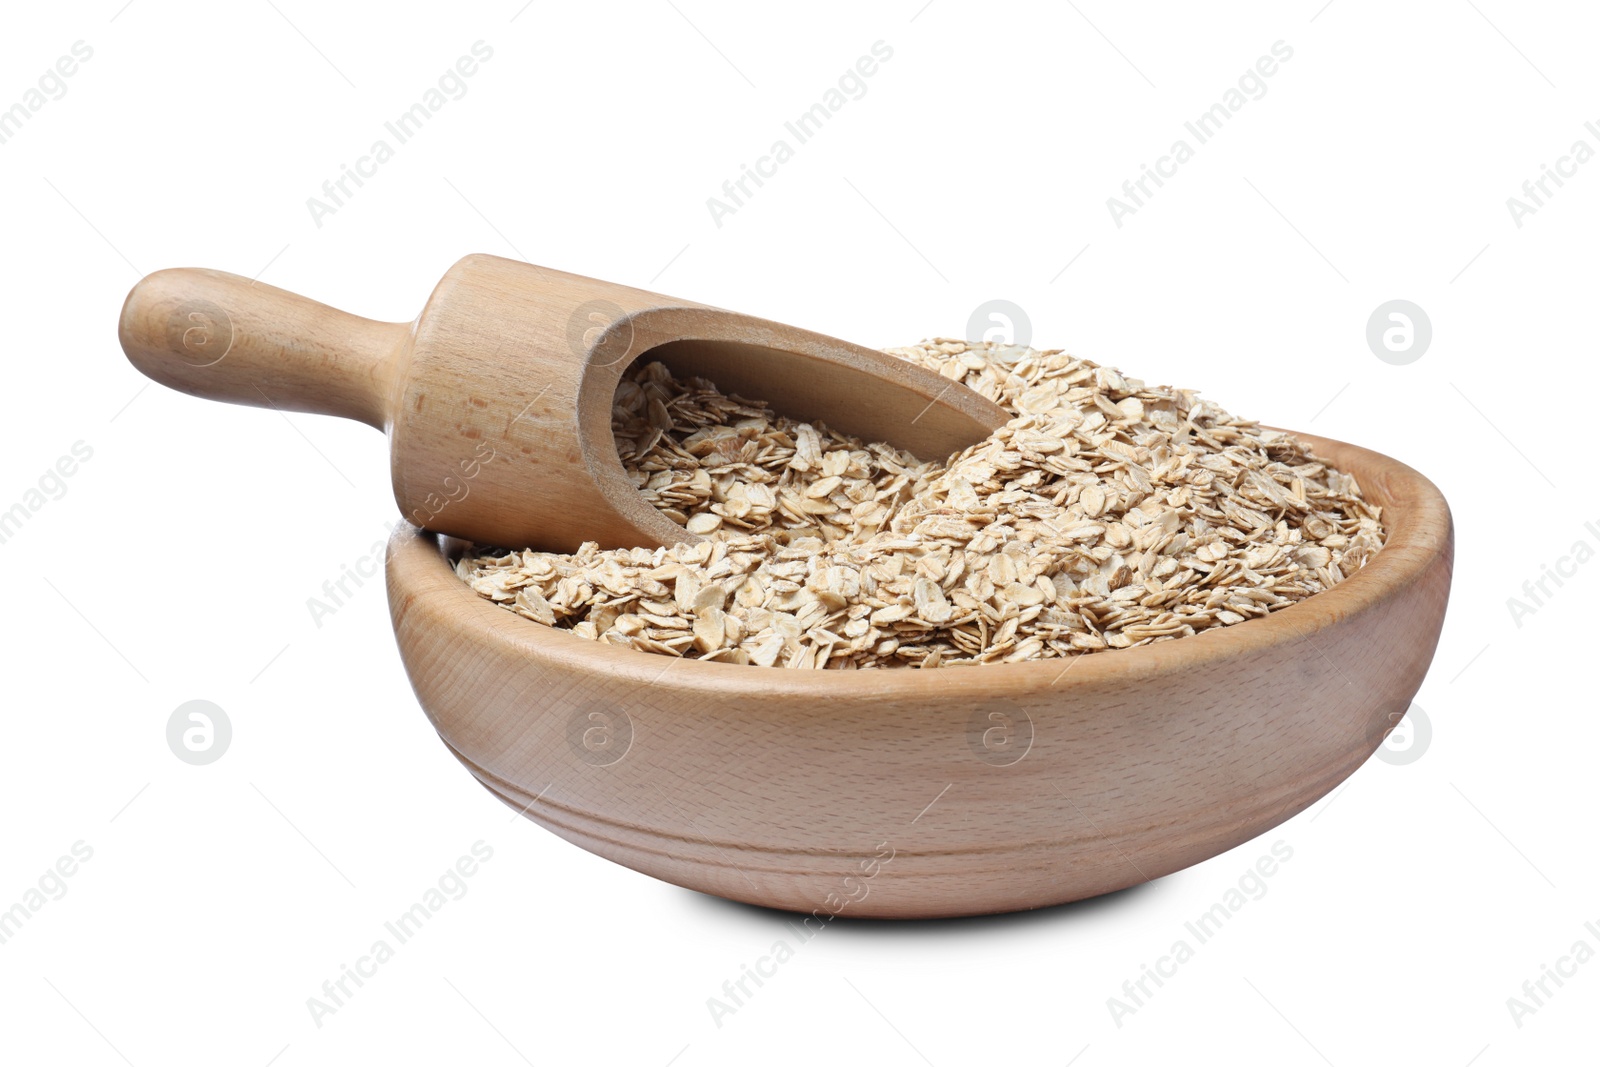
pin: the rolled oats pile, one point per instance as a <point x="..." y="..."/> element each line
<point x="1106" y="514"/>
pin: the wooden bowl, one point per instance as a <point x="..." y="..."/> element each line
<point x="958" y="791"/>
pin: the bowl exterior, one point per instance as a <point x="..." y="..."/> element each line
<point x="915" y="794"/>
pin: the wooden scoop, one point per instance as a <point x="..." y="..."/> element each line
<point x="497" y="399"/>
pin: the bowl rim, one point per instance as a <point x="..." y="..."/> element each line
<point x="1419" y="533"/>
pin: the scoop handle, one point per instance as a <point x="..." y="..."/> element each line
<point x="223" y="337"/>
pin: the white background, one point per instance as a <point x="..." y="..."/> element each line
<point x="179" y="561"/>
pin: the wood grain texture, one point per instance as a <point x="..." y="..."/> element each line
<point x="784" y="788"/>
<point x="497" y="399"/>
<point x="220" y="336"/>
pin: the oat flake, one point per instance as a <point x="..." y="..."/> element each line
<point x="1106" y="514"/>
